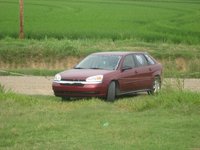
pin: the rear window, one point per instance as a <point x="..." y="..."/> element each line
<point x="141" y="60"/>
<point x="149" y="59"/>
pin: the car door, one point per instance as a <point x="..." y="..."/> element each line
<point x="144" y="70"/>
<point x="129" y="75"/>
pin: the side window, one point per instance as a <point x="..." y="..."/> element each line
<point x="141" y="60"/>
<point x="149" y="59"/>
<point x="129" y="62"/>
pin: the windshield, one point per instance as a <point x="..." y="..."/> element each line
<point x="106" y="62"/>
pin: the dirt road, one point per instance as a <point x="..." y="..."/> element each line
<point x="33" y="85"/>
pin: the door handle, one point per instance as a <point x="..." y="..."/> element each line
<point x="150" y="69"/>
<point x="136" y="72"/>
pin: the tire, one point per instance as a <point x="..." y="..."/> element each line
<point x="156" y="87"/>
<point x="111" y="92"/>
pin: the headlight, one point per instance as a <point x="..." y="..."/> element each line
<point x="57" y="77"/>
<point x="95" y="79"/>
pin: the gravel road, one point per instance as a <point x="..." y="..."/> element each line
<point x="34" y="85"/>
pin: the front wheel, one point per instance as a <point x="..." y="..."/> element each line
<point x="156" y="87"/>
<point x="111" y="91"/>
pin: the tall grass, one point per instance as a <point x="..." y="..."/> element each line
<point x="45" y="57"/>
<point x="175" y="21"/>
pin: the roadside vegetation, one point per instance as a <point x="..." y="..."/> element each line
<point x="169" y="120"/>
<point x="48" y="56"/>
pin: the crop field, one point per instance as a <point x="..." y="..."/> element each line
<point x="175" y="21"/>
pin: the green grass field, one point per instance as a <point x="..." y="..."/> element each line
<point x="175" y="21"/>
<point x="169" y="120"/>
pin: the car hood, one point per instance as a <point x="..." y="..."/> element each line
<point x="82" y="74"/>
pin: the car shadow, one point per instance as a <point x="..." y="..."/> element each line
<point x="132" y="95"/>
<point x="73" y="99"/>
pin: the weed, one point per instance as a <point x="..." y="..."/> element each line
<point x="2" y="89"/>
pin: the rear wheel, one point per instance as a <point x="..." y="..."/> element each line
<point x="111" y="91"/>
<point x="156" y="87"/>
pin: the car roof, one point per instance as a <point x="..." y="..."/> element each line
<point x="119" y="53"/>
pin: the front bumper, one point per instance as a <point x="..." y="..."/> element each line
<point x="79" y="90"/>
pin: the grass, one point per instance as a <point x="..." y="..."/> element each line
<point x="169" y="120"/>
<point x="48" y="56"/>
<point x="175" y="21"/>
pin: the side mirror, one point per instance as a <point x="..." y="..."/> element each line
<point x="126" y="68"/>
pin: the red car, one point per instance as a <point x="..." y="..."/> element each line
<point x="109" y="74"/>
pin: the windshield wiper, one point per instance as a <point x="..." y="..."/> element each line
<point x="78" y="68"/>
<point x="95" y="68"/>
<point x="88" y="68"/>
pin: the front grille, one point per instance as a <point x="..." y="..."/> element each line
<point x="75" y="80"/>
<point x="75" y="84"/>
